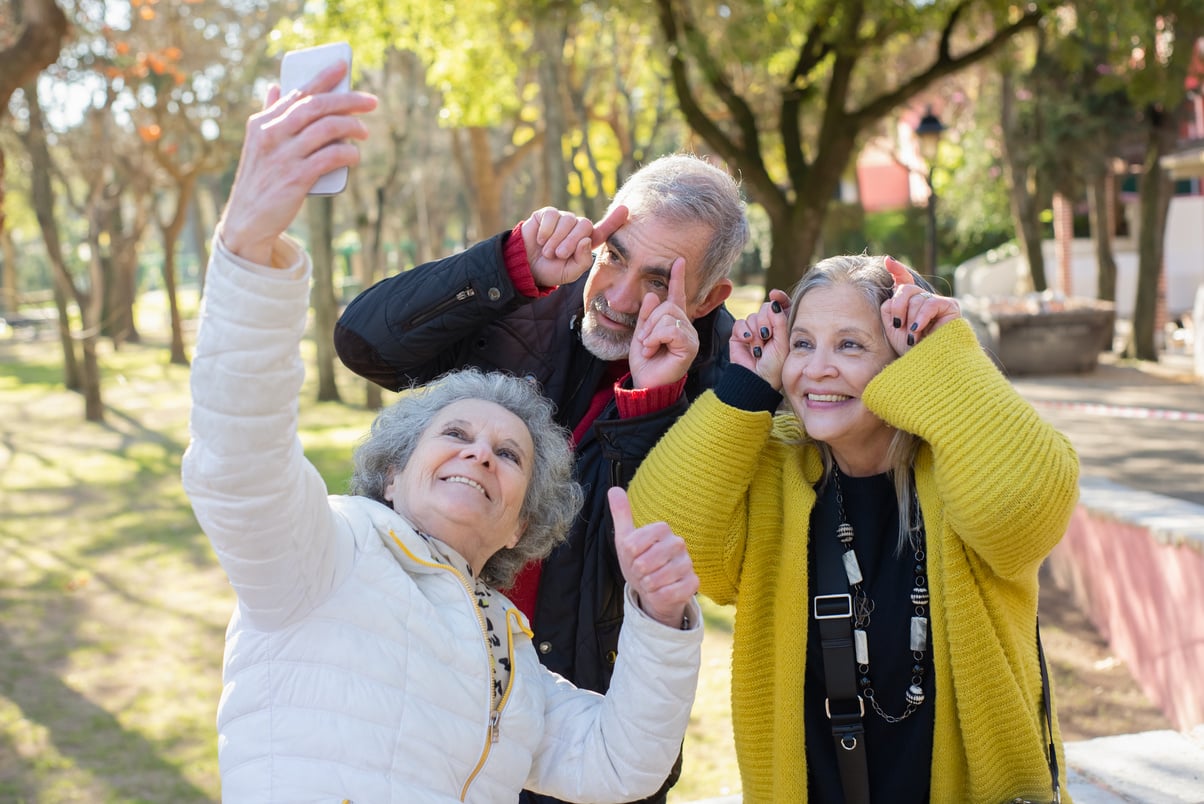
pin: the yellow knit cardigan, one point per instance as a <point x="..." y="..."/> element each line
<point x="997" y="486"/>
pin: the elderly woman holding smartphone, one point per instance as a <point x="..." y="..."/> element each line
<point x="369" y="657"/>
<point x="880" y="540"/>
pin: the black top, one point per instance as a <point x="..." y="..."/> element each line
<point x="899" y="755"/>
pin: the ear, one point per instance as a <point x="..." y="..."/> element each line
<point x="388" y="490"/>
<point x="716" y="296"/>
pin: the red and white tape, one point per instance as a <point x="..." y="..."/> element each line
<point x="1123" y="411"/>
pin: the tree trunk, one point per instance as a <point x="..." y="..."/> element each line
<point x="205" y="225"/>
<point x="797" y="231"/>
<point x="72" y="377"/>
<point x="8" y="287"/>
<point x="1154" y="198"/>
<point x="42" y="26"/>
<point x="185" y="188"/>
<point x="488" y="200"/>
<point x="372" y="267"/>
<point x="550" y="34"/>
<point x="320" y="213"/>
<point x="1099" y="215"/>
<point x="94" y="409"/>
<point x="1023" y="196"/>
<point x="42" y="197"/>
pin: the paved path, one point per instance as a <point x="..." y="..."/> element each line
<point x="1140" y="427"/>
<point x="1156" y="767"/>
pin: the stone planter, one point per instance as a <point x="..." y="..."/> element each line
<point x="1042" y="336"/>
<point x="1197" y="318"/>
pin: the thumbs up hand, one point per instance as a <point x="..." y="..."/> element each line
<point x="654" y="562"/>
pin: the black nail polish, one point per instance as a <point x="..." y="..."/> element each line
<point x="913" y="326"/>
<point x="764" y="333"/>
<point x="896" y="322"/>
<point x="757" y="351"/>
<point x="748" y="334"/>
<point x="911" y="340"/>
<point x="777" y="308"/>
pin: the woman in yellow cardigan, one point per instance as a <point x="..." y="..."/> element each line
<point x="898" y="511"/>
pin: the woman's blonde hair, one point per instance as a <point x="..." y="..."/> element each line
<point x="868" y="275"/>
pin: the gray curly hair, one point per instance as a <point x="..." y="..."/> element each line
<point x="868" y="275"/>
<point x="686" y="189"/>
<point x="553" y="498"/>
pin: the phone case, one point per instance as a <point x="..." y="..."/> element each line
<point x="297" y="68"/>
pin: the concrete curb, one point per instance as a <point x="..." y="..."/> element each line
<point x="1153" y="767"/>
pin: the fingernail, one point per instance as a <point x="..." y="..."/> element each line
<point x="748" y="334"/>
<point x="913" y="326"/>
<point x="764" y="333"/>
<point x="777" y="308"/>
<point x="911" y="340"/>
<point x="896" y="322"/>
<point x="757" y="351"/>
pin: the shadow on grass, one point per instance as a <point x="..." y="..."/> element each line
<point x="84" y="734"/>
<point x="45" y="374"/>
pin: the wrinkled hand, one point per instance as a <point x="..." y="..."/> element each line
<point x="654" y="562"/>
<point x="911" y="313"/>
<point x="288" y="145"/>
<point x="559" y="243"/>
<point x="761" y="342"/>
<point x="664" y="343"/>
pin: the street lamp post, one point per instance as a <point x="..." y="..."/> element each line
<point x="928" y="132"/>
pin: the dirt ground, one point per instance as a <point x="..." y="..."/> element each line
<point x="1095" y="692"/>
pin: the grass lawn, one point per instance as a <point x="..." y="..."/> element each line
<point x="113" y="607"/>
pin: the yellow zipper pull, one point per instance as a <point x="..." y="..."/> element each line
<point x="494" y="730"/>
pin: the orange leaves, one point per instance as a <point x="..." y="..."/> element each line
<point x="145" y="8"/>
<point x="151" y="132"/>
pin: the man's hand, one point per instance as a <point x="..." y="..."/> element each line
<point x="761" y="342"/>
<point x="654" y="562"/>
<point x="665" y="342"/>
<point x="288" y="145"/>
<point x="559" y="243"/>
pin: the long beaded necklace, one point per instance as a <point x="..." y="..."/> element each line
<point x="863" y="607"/>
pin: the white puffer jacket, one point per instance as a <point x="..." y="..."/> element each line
<point x="356" y="666"/>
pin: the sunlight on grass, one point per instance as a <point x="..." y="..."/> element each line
<point x="709" y="756"/>
<point x="114" y="606"/>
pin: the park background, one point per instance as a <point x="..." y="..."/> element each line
<point x="120" y="138"/>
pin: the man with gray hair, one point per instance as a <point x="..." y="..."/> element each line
<point x="557" y="301"/>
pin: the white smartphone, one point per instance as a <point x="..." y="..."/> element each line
<point x="297" y="68"/>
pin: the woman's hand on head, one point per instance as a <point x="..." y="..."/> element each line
<point x="654" y="562"/>
<point x="761" y="342"/>
<point x="289" y="144"/>
<point x="912" y="313"/>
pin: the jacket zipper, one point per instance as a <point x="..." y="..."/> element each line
<point x="462" y="295"/>
<point x="495" y="714"/>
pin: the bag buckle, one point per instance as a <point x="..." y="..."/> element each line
<point x="833" y="607"/>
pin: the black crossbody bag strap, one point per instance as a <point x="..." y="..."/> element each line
<point x="833" y="610"/>
<point x="1051" y="751"/>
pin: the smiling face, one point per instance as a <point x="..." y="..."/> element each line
<point x="467" y="479"/>
<point x="636" y="261"/>
<point x="836" y="347"/>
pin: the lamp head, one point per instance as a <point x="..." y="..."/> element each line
<point x="928" y="132"/>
